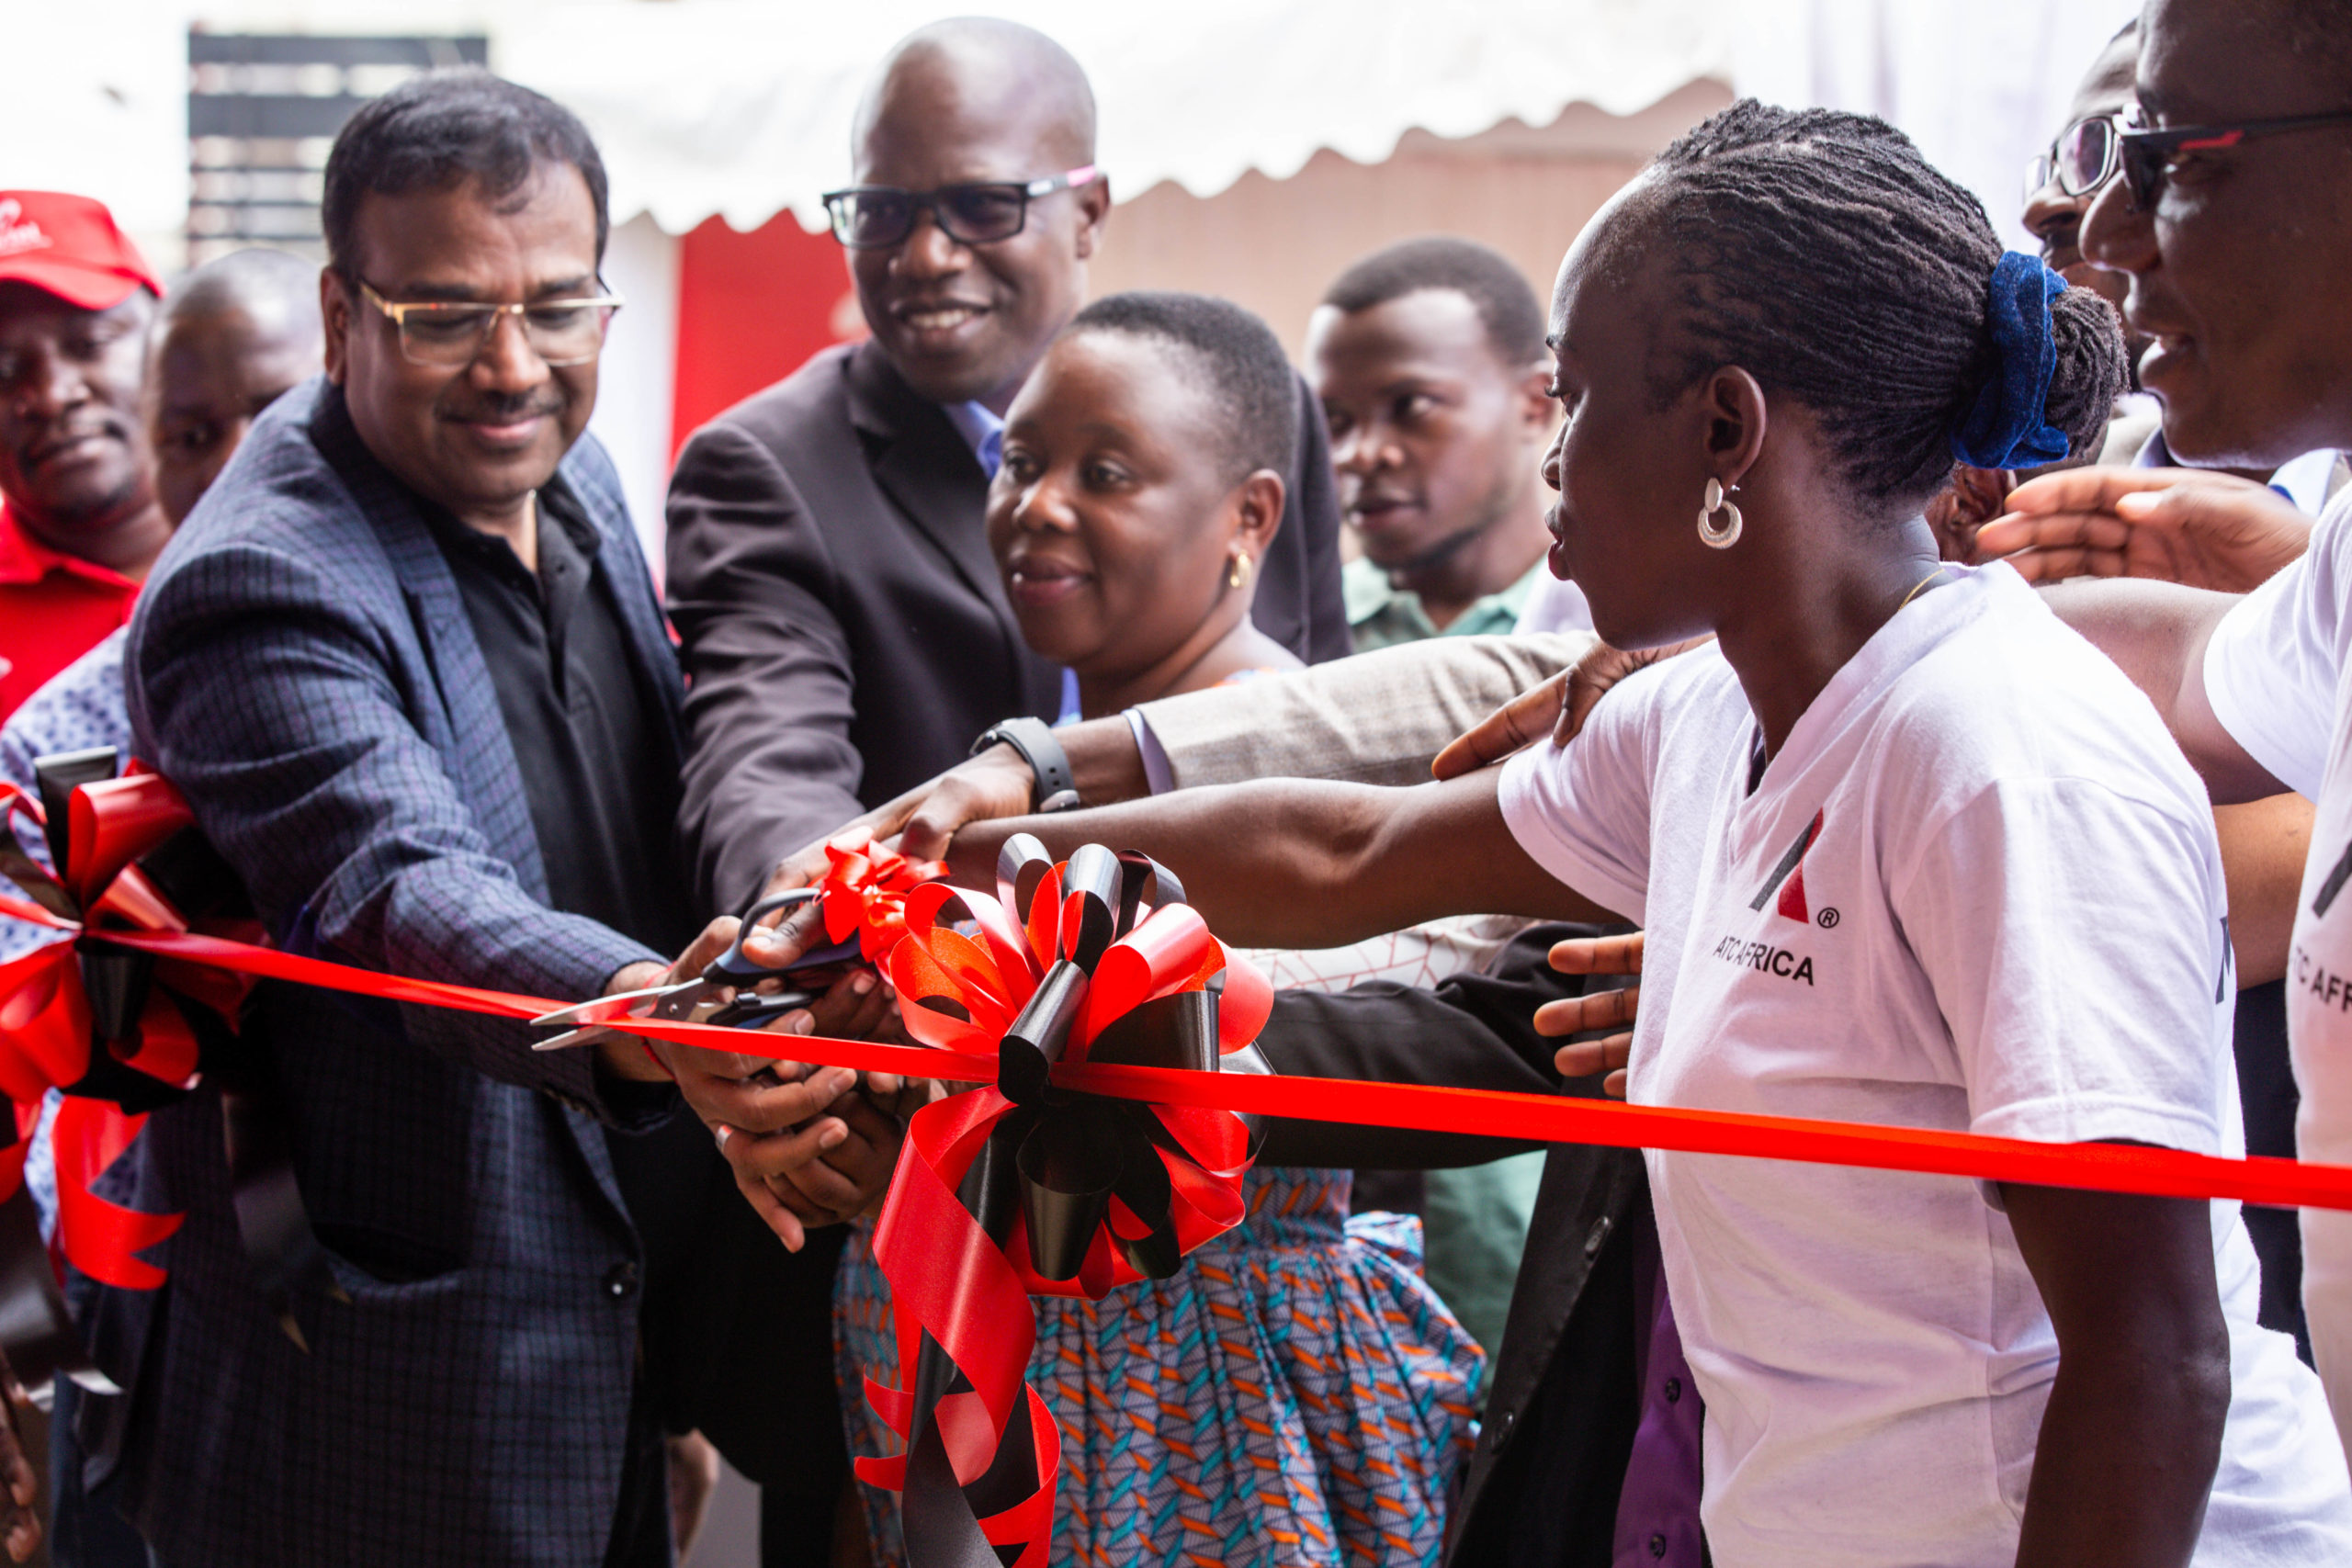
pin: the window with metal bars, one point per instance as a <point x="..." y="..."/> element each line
<point x="261" y="111"/>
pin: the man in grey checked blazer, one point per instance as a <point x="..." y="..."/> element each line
<point x="318" y="664"/>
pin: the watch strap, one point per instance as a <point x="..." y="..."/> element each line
<point x="1050" y="773"/>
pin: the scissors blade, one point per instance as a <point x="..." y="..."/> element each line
<point x="603" y="1009"/>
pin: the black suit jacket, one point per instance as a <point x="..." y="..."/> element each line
<point x="1543" y="1482"/>
<point x="844" y="630"/>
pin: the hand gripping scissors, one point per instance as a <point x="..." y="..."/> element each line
<point x="705" y="1000"/>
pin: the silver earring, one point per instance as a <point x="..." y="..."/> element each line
<point x="1715" y="535"/>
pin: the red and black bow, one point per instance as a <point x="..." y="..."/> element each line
<point x="1025" y="1187"/>
<point x="120" y="1032"/>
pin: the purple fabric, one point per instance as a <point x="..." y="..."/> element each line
<point x="1657" y="1511"/>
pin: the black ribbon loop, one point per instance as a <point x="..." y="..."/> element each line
<point x="1021" y="866"/>
<point x="1090" y="891"/>
<point x="1076" y="1152"/>
<point x="1038" y="1037"/>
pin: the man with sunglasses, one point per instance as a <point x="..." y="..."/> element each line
<point x="407" y="664"/>
<point x="2264" y="841"/>
<point x="843" y="626"/>
<point x="2229" y="209"/>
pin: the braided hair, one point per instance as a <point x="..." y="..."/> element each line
<point x="1821" y="253"/>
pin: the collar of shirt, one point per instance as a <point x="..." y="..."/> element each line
<point x="560" y="512"/>
<point x="982" y="430"/>
<point x="1382" y="616"/>
<point x="24" y="559"/>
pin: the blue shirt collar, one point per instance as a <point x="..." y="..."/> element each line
<point x="982" y="430"/>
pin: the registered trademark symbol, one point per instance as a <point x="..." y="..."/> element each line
<point x="1827" y="917"/>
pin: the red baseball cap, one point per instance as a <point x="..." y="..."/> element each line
<point x="69" y="246"/>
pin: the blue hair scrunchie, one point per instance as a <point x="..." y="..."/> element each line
<point x="2009" y="426"/>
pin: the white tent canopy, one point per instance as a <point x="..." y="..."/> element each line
<point x="741" y="108"/>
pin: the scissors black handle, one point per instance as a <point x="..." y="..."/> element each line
<point x="733" y="968"/>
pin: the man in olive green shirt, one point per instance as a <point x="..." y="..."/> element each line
<point x="1428" y="357"/>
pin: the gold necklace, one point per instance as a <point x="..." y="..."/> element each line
<point x="1940" y="570"/>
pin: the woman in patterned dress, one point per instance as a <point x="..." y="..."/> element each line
<point x="1294" y="1394"/>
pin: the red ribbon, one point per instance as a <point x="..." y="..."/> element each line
<point x="949" y="1278"/>
<point x="865" y="891"/>
<point x="47" y="1029"/>
<point x="967" y="971"/>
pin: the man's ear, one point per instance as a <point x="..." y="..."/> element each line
<point x="1259" y="513"/>
<point x="1094" y="211"/>
<point x="1983" y="492"/>
<point x="1972" y="498"/>
<point x="334" y="311"/>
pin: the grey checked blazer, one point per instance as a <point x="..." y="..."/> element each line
<point x="302" y="667"/>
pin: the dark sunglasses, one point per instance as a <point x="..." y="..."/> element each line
<point x="869" y="218"/>
<point x="2145" y="156"/>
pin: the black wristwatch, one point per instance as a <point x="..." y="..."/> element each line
<point x="1051" y="786"/>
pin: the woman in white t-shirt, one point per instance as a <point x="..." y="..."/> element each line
<point x="1908" y="852"/>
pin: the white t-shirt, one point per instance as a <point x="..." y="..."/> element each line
<point x="1556" y="605"/>
<point x="1976" y="889"/>
<point x="2274" y="674"/>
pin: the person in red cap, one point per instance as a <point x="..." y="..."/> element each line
<point x="79" y="522"/>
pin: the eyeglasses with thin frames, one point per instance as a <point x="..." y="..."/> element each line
<point x="447" y="335"/>
<point x="2080" y="160"/>
<point x="873" y="218"/>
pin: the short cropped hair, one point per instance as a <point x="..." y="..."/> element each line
<point x="1507" y="306"/>
<point x="1234" y="358"/>
<point x="440" y="129"/>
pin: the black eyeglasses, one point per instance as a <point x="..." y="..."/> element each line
<point x="873" y="218"/>
<point x="2147" y="154"/>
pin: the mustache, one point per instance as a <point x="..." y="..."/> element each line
<point x="503" y="408"/>
<point x="73" y="426"/>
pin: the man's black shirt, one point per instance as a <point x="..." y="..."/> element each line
<point x="602" y="783"/>
<point x="601" y="779"/>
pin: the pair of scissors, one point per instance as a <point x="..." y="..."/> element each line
<point x="706" y="999"/>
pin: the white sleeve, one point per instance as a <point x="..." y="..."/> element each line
<point x="2271" y="666"/>
<point x="1582" y="811"/>
<point x="2073" y="941"/>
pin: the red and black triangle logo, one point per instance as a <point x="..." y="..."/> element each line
<point x="1788" y="878"/>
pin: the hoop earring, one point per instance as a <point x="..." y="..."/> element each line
<point x="1236" y="575"/>
<point x="1713" y="535"/>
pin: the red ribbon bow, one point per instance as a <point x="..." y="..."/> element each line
<point x="80" y="1014"/>
<point x="865" y="891"/>
<point x="1016" y="1189"/>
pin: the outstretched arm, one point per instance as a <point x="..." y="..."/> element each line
<point x="1294" y="863"/>
<point x="2156" y="634"/>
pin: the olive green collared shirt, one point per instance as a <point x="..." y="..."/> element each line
<point x="1382" y="616"/>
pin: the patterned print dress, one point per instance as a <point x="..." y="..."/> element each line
<point x="1293" y="1396"/>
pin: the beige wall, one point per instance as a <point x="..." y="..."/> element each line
<point x="1274" y="246"/>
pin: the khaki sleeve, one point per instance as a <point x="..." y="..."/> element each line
<point x="1376" y="719"/>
